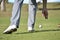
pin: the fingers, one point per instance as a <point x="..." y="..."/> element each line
<point x="45" y="13"/>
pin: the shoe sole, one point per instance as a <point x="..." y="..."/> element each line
<point x="9" y="32"/>
<point x="31" y="31"/>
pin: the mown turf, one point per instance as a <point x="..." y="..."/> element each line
<point x="49" y="31"/>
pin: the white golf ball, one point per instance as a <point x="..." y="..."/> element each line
<point x="40" y="26"/>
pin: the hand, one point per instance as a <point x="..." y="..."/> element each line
<point x="45" y="13"/>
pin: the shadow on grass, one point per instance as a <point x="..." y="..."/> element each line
<point x="50" y="8"/>
<point x="39" y="31"/>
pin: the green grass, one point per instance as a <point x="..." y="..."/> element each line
<point x="49" y="31"/>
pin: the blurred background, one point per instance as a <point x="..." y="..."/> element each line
<point x="50" y="27"/>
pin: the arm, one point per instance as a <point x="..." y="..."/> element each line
<point x="44" y="11"/>
<point x="44" y="3"/>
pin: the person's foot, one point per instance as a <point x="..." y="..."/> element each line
<point x="30" y="29"/>
<point x="10" y="29"/>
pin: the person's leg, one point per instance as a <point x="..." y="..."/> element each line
<point x="32" y="14"/>
<point x="16" y="12"/>
<point x="15" y="17"/>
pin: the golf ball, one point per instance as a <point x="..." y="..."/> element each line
<point x="40" y="26"/>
